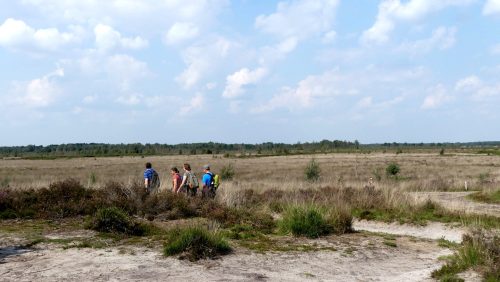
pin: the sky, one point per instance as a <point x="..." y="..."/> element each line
<point x="249" y="71"/>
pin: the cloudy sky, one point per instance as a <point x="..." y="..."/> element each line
<point x="249" y="71"/>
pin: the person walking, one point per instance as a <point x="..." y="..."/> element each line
<point x="208" y="183"/>
<point x="189" y="181"/>
<point x="176" y="180"/>
<point x="151" y="179"/>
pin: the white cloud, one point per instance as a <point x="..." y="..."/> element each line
<point x="491" y="7"/>
<point x="325" y="88"/>
<point x="16" y="34"/>
<point x="305" y="93"/>
<point x="106" y="39"/>
<point x="478" y="89"/>
<point x="236" y="81"/>
<point x="329" y="37"/>
<point x="495" y="49"/>
<point x="38" y="93"/>
<point x="181" y="32"/>
<point x="300" y="19"/>
<point x="147" y="17"/>
<point x="194" y="104"/>
<point x="130" y="99"/>
<point x="391" y="11"/>
<point x="279" y="51"/>
<point x="89" y="99"/>
<point x="201" y="59"/>
<point x="211" y="85"/>
<point x="442" y="38"/>
<point x="469" y="83"/>
<point x="438" y="97"/>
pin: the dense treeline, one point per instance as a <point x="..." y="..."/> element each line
<point x="137" y="149"/>
<point x="263" y="149"/>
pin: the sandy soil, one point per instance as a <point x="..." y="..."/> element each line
<point x="457" y="201"/>
<point x="356" y="257"/>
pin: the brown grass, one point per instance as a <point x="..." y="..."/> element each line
<point x="419" y="172"/>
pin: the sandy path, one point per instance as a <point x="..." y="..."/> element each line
<point x="358" y="257"/>
<point x="457" y="201"/>
<point x="433" y="230"/>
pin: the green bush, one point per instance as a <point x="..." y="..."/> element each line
<point x="392" y="169"/>
<point x="479" y="250"/>
<point x="227" y="172"/>
<point x="115" y="220"/>
<point x="312" y="171"/>
<point x="196" y="243"/>
<point x="305" y="221"/>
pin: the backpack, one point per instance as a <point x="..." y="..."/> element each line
<point x="216" y="181"/>
<point x="192" y="181"/>
<point x="155" y="180"/>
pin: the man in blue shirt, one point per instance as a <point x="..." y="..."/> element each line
<point x="207" y="182"/>
<point x="151" y="180"/>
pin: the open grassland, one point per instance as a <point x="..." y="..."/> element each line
<point x="268" y="208"/>
<point x="418" y="172"/>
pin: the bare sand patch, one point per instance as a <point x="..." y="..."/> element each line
<point x="457" y="201"/>
<point x="353" y="257"/>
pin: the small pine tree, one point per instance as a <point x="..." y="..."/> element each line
<point x="392" y="169"/>
<point x="312" y="171"/>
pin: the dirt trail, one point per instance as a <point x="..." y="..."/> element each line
<point x="433" y="230"/>
<point x="457" y="201"/>
<point x="355" y="257"/>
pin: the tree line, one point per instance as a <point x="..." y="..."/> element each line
<point x="263" y="149"/>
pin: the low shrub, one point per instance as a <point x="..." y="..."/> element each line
<point x="313" y="222"/>
<point x="115" y="220"/>
<point x="312" y="171"/>
<point x="227" y="172"/>
<point x="195" y="243"/>
<point x="305" y="221"/>
<point x="392" y="169"/>
<point x="479" y="250"/>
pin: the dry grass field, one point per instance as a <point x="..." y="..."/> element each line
<point x="419" y="172"/>
<point x="258" y="211"/>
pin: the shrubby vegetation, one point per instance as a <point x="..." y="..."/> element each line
<point x="479" y="251"/>
<point x="196" y="243"/>
<point x="313" y="221"/>
<point x="312" y="171"/>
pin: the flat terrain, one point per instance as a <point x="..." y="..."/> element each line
<point x="350" y="257"/>
<point x="377" y="252"/>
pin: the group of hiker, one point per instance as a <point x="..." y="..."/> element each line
<point x="188" y="183"/>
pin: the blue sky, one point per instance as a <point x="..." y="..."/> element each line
<point x="172" y="71"/>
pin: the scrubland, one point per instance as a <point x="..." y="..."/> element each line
<point x="268" y="208"/>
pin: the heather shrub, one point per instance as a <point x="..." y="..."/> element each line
<point x="195" y="243"/>
<point x="115" y="220"/>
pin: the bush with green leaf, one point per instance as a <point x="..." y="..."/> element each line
<point x="227" y="172"/>
<point x="312" y="171"/>
<point x="312" y="221"/>
<point x="392" y="169"/>
<point x="195" y="243"/>
<point x="115" y="220"/>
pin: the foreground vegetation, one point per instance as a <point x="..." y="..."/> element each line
<point x="479" y="251"/>
<point x="263" y="203"/>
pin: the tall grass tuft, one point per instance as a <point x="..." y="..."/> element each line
<point x="480" y="251"/>
<point x="313" y="221"/>
<point x="195" y="243"/>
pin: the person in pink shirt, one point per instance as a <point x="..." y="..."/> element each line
<point x="176" y="180"/>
